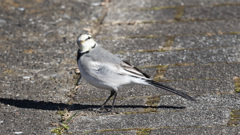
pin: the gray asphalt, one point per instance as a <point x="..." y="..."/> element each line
<point x="190" y="45"/>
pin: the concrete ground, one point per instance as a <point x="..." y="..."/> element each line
<point x="191" y="45"/>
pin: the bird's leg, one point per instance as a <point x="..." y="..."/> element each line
<point x="79" y="79"/>
<point x="114" y="98"/>
<point x="113" y="92"/>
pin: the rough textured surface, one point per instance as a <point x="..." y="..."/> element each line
<point x="190" y="45"/>
<point x="197" y="130"/>
<point x="172" y="29"/>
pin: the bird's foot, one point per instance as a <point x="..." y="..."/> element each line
<point x="101" y="110"/>
<point x="105" y="110"/>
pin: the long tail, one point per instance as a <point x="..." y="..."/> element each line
<point x="158" y="85"/>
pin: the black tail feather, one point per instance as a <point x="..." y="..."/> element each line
<point x="158" y="85"/>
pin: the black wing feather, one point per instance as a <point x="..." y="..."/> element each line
<point x="141" y="72"/>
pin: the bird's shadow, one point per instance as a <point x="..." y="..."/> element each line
<point x="42" y="105"/>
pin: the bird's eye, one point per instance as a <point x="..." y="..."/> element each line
<point x="88" y="38"/>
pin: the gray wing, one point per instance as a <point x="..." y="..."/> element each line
<point x="109" y="62"/>
<point x="101" y="55"/>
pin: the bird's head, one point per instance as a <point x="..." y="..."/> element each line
<point x="86" y="42"/>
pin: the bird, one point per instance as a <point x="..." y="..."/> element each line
<point x="105" y="70"/>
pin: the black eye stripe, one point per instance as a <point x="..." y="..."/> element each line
<point x="88" y="38"/>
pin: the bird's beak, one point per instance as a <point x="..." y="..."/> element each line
<point x="80" y="42"/>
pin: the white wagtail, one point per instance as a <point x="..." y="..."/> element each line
<point x="104" y="70"/>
